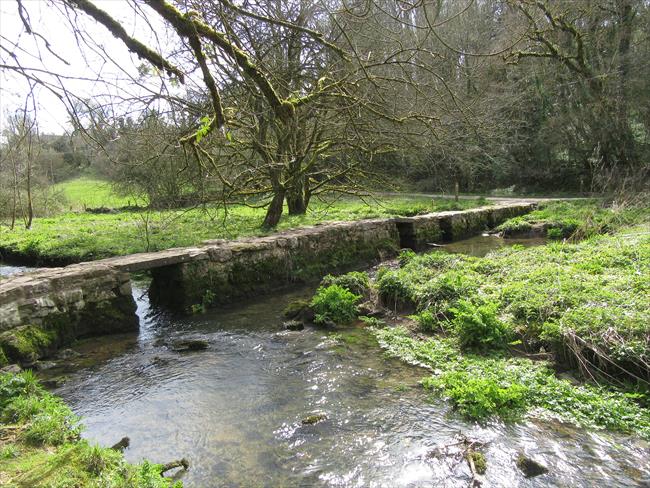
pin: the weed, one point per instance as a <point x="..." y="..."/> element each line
<point x="334" y="304"/>
<point x="356" y="282"/>
<point x="478" y="326"/>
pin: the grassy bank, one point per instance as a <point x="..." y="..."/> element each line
<point x="561" y="329"/>
<point x="80" y="236"/>
<point x="40" y="445"/>
<point x="576" y="219"/>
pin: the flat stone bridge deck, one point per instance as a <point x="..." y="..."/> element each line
<point x="42" y="310"/>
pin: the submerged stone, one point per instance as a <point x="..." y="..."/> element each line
<point x="314" y="419"/>
<point x="44" y="365"/>
<point x="190" y="345"/>
<point x="66" y="354"/>
<point x="56" y="382"/>
<point x="530" y="467"/>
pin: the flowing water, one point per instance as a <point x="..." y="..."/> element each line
<point x="235" y="410"/>
<point x="8" y="270"/>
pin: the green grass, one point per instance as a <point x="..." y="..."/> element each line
<point x="589" y="302"/>
<point x="86" y="192"/>
<point x="40" y="445"/>
<point x="575" y="219"/>
<point x="73" y="237"/>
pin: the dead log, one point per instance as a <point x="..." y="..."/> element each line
<point x="182" y="463"/>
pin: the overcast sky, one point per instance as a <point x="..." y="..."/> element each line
<point x="84" y="66"/>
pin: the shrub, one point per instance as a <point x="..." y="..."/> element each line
<point x="334" y="303"/>
<point x="478" y="326"/>
<point x="445" y="289"/>
<point x="426" y="320"/>
<point x="479" y="398"/>
<point x="356" y="282"/>
<point x="393" y="291"/>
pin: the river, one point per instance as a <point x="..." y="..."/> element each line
<point x="235" y="410"/>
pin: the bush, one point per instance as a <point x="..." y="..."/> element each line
<point x="478" y="326"/>
<point x="479" y="398"/>
<point x="334" y="303"/>
<point x="393" y="291"/>
<point x="426" y="320"/>
<point x="356" y="282"/>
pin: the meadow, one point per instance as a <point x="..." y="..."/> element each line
<point x="77" y="235"/>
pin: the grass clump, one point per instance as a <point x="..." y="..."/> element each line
<point x="479" y="327"/>
<point x="478" y="460"/>
<point x="334" y="304"/>
<point x="42" y="447"/>
<point x="356" y="282"/>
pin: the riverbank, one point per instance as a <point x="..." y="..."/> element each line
<point x="560" y="330"/>
<point x="80" y="236"/>
<point x="242" y="409"/>
<point x="40" y="445"/>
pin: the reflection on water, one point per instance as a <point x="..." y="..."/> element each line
<point x="235" y="409"/>
<point x="481" y="245"/>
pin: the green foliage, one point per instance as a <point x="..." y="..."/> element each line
<point x="9" y="451"/>
<point x="97" y="459"/>
<point x="595" y="292"/>
<point x="576" y="219"/>
<point x="47" y="420"/>
<point x="356" y="282"/>
<point x="426" y="320"/>
<point x="482" y="397"/>
<point x="480" y="463"/>
<point x="13" y="386"/>
<point x="207" y="300"/>
<point x="479" y="327"/>
<point x="481" y="387"/>
<point x="393" y="291"/>
<point x="372" y="321"/>
<point x="334" y="303"/>
<point x="48" y="451"/>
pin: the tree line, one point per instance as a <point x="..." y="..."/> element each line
<point x="274" y="104"/>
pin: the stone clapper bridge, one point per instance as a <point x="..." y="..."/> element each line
<point x="46" y="309"/>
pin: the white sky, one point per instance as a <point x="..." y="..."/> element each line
<point x="49" y="21"/>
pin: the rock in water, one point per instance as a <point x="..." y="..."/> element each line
<point x="12" y="368"/>
<point x="369" y="309"/>
<point x="530" y="467"/>
<point x="314" y="419"/>
<point x="299" y="310"/>
<point x="66" y="354"/>
<point x="293" y="325"/>
<point x="190" y="345"/>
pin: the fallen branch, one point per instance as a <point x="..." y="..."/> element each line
<point x="122" y="444"/>
<point x="182" y="463"/>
